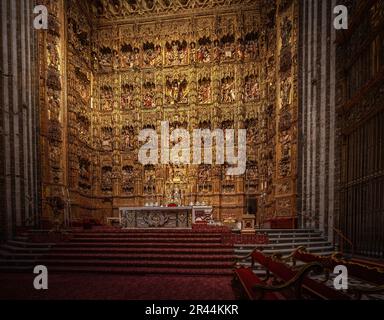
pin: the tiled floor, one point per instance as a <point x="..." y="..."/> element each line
<point x="353" y="283"/>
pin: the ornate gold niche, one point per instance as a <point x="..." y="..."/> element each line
<point x="218" y="65"/>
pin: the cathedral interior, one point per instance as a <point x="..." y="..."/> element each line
<point x="77" y="94"/>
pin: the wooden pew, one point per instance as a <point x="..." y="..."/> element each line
<point x="259" y="289"/>
<point x="291" y="281"/>
<point x="313" y="287"/>
<point x="371" y="274"/>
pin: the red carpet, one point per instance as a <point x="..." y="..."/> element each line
<point x="117" y="287"/>
<point x="123" y="264"/>
<point x="134" y="252"/>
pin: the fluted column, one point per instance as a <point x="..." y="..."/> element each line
<point x="18" y="171"/>
<point x="317" y="107"/>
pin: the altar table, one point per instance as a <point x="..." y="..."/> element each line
<point x="163" y="217"/>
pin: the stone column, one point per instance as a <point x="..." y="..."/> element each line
<point x="18" y="138"/>
<point x="317" y="116"/>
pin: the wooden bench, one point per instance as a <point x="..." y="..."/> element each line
<point x="248" y="281"/>
<point x="291" y="281"/>
<point x="371" y="274"/>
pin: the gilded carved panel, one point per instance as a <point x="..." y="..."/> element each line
<point x="232" y="68"/>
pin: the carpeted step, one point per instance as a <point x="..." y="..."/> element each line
<point x="22" y="269"/>
<point x="184" y="250"/>
<point x="121" y="270"/>
<point x="146" y="235"/>
<point x="31" y="245"/>
<point x="132" y="256"/>
<point x="143" y="245"/>
<point x="198" y="264"/>
<point x="148" y="239"/>
<point x="142" y="270"/>
<point x="156" y="251"/>
<point x="115" y="230"/>
<point x="18" y="262"/>
<point x="10" y="248"/>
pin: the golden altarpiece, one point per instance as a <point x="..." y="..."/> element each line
<point x="110" y="68"/>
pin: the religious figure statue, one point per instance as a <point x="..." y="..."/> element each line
<point x="176" y="52"/>
<point x="129" y="56"/>
<point x="106" y="179"/>
<point x="286" y="31"/>
<point x="53" y="55"/>
<point x="151" y="55"/>
<point x="136" y="57"/>
<point x="251" y="135"/>
<point x="83" y="127"/>
<point x="203" y="173"/>
<point x="192" y="52"/>
<point x="228" y="90"/>
<point x="106" y="57"/>
<point x="204" y="50"/>
<point x="127" y="138"/>
<point x="106" y="138"/>
<point x="285" y="92"/>
<point x="204" y="90"/>
<point x="106" y="97"/>
<point x="251" y="92"/>
<point x="127" y="179"/>
<point x="127" y="102"/>
<point x="55" y="157"/>
<point x="240" y="50"/>
<point x="176" y="91"/>
<point x="106" y="105"/>
<point x="251" y="49"/>
<point x="217" y="51"/>
<point x="229" y="47"/>
<point x="149" y="89"/>
<point x="126" y="56"/>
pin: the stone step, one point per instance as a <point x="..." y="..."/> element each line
<point x="286" y="230"/>
<point x="278" y="246"/>
<point x="293" y="240"/>
<point x="244" y="252"/>
<point x="324" y="253"/>
<point x="294" y="235"/>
